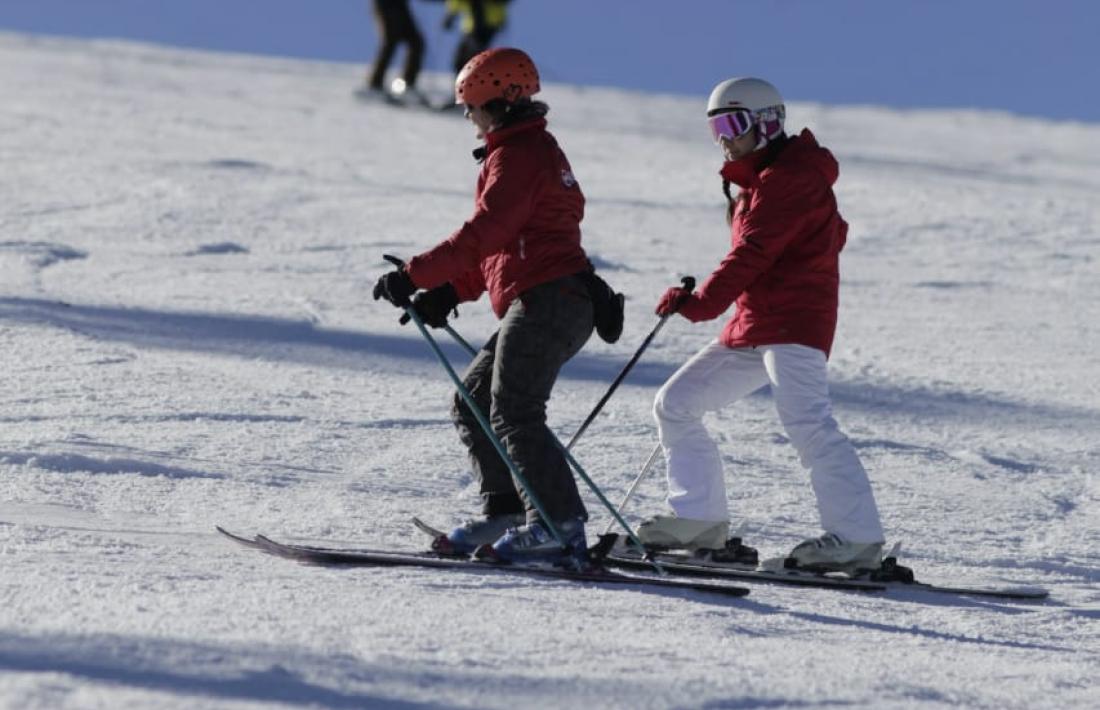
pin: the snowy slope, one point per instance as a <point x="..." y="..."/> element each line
<point x="187" y="245"/>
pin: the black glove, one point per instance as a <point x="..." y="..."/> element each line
<point x="395" y="287"/>
<point x="433" y="306"/>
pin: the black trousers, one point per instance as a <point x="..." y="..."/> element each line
<point x="396" y="26"/>
<point x="510" y="380"/>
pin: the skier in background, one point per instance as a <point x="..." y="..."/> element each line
<point x="481" y="21"/>
<point x="396" y="26"/>
<point x="523" y="245"/>
<point x="782" y="273"/>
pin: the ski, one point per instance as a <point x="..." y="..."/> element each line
<point x="682" y="565"/>
<point x="892" y="577"/>
<point x="687" y="566"/>
<point x="388" y="99"/>
<point x="344" y="557"/>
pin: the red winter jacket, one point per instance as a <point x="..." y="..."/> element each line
<point x="787" y="235"/>
<point x="525" y="229"/>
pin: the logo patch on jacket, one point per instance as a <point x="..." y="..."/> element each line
<point x="567" y="178"/>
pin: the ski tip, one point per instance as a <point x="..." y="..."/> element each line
<point x="427" y="529"/>
<point x="225" y="532"/>
<point x="249" y="542"/>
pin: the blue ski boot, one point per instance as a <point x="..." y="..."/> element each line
<point x="535" y="543"/>
<point x="472" y="534"/>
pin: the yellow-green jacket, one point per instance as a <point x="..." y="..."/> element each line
<point x="496" y="13"/>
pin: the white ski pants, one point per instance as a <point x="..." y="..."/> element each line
<point x="718" y="376"/>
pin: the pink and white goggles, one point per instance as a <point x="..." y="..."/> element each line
<point x="731" y="125"/>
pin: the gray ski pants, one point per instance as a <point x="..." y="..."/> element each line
<point x="510" y="379"/>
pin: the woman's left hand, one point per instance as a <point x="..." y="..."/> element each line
<point x="395" y="287"/>
<point x="672" y="300"/>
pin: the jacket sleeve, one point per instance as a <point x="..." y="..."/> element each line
<point x="469" y="286"/>
<point x="504" y="206"/>
<point x="767" y="228"/>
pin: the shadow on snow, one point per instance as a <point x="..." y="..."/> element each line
<point x="299" y="341"/>
<point x="276" y="339"/>
<point x="133" y="662"/>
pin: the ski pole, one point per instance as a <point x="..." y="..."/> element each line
<point x="688" y="283"/>
<point x="633" y="486"/>
<point x="485" y="426"/>
<point x="481" y="420"/>
<point x="574" y="464"/>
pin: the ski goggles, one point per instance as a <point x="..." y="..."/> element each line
<point x="730" y="125"/>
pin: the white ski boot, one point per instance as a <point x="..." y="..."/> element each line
<point x="831" y="553"/>
<point x="670" y="532"/>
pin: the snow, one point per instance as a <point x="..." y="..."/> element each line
<point x="187" y="246"/>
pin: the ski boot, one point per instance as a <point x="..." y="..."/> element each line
<point x="534" y="543"/>
<point x="832" y="553"/>
<point x="472" y="534"/>
<point x="668" y="532"/>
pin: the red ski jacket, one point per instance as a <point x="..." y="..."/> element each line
<point x="782" y="270"/>
<point x="525" y="229"/>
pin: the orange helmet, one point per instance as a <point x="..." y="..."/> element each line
<point x="499" y="73"/>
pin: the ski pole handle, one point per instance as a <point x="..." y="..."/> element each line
<point x="688" y="284"/>
<point x="399" y="263"/>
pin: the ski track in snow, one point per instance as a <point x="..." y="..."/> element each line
<point x="187" y="246"/>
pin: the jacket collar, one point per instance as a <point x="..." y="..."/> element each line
<point x="500" y="136"/>
<point x="745" y="172"/>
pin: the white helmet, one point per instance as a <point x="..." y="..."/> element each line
<point x="758" y="97"/>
